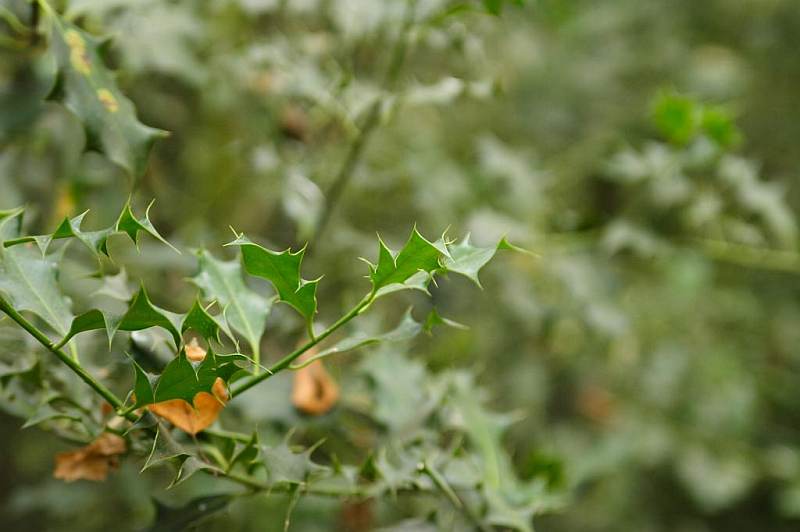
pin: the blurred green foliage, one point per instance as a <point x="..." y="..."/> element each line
<point x="645" y="151"/>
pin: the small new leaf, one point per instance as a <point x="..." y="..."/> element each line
<point x="141" y="314"/>
<point x="418" y="255"/>
<point x="95" y="241"/>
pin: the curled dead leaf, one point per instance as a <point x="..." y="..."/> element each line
<point x="206" y="406"/>
<point x="92" y="462"/>
<point x="194" y="352"/>
<point x="196" y="417"/>
<point x="314" y="391"/>
<point x="596" y="403"/>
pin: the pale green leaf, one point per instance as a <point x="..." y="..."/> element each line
<point x="89" y="91"/>
<point x="245" y="310"/>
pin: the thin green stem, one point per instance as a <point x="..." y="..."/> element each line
<point x="42" y="338"/>
<point x="286" y="361"/>
<point x="748" y="256"/>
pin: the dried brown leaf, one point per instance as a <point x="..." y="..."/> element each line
<point x="314" y="392"/>
<point x="92" y="462"/>
<point x="197" y="417"/>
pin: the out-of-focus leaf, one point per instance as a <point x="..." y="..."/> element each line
<point x="89" y="91"/>
<point x="314" y="392"/>
<point x="512" y="502"/>
<point x="287" y="466"/>
<point x="407" y="329"/>
<point x="193" y="513"/>
<point x="92" y="462"/>
<point x="467" y="260"/>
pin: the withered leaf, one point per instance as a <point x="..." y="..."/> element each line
<point x="92" y="462"/>
<point x="198" y="416"/>
<point x="205" y="407"/>
<point x="314" y="392"/>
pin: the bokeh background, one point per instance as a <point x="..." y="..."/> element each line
<point x="646" y="151"/>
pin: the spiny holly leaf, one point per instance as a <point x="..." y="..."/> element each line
<point x="164" y="448"/>
<point x="89" y="91"/>
<point x="71" y="228"/>
<point x="418" y="255"/>
<point x="248" y="455"/>
<point x="30" y="282"/>
<point x="467" y="260"/>
<point x="401" y="394"/>
<point x="282" y="269"/>
<point x="143" y="386"/>
<point x="128" y="223"/>
<point x="245" y="310"/>
<point x="407" y="329"/>
<point x="182" y="379"/>
<point x="435" y="319"/>
<point x="512" y="502"/>
<point x="95" y="241"/>
<point x="199" y="320"/>
<point x="141" y="314"/>
<point x="286" y="466"/>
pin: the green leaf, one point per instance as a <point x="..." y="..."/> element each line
<point x="248" y="455"/>
<point x="468" y="260"/>
<point x="407" y="329"/>
<point x="132" y="226"/>
<point x="512" y="502"/>
<point x="89" y="91"/>
<point x="286" y="466"/>
<point x="245" y="310"/>
<point x="95" y="241"/>
<point x="164" y="449"/>
<point x="141" y="314"/>
<point x="676" y="116"/>
<point x="199" y="320"/>
<point x="418" y="255"/>
<point x="30" y="282"/>
<point x="282" y="269"/>
<point x="434" y="319"/>
<point x="143" y="386"/>
<point x="182" y="379"/>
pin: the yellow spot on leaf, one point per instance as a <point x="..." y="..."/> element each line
<point x="78" y="55"/>
<point x="92" y="462"/>
<point x="108" y="100"/>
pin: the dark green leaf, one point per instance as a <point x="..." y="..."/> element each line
<point x="282" y="269"/>
<point x="418" y="255"/>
